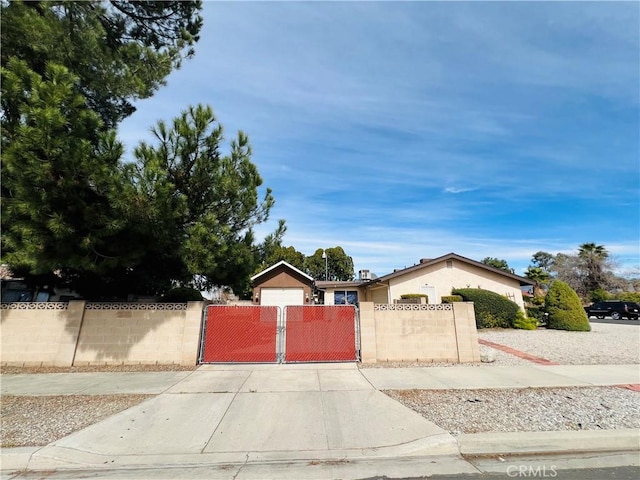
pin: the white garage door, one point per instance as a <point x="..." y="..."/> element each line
<point x="281" y="297"/>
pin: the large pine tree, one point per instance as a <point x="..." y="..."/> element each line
<point x="183" y="214"/>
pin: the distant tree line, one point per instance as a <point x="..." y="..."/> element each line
<point x="590" y="272"/>
<point x="324" y="264"/>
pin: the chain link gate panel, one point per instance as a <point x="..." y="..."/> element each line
<point x="265" y="334"/>
<point x="240" y="334"/>
<point x="323" y="333"/>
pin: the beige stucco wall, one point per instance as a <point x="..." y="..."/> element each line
<point x="460" y="275"/>
<point x="427" y="333"/>
<point x="378" y="294"/>
<point x="84" y="334"/>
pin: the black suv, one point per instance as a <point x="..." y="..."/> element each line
<point x="616" y="309"/>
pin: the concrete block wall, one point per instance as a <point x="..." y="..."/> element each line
<point x="100" y="333"/>
<point x="466" y="332"/>
<point x="34" y="334"/>
<point x="427" y="333"/>
<point x="78" y="333"/>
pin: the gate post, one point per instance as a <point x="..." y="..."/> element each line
<point x="281" y="332"/>
<point x="368" y="339"/>
<point x="190" y="332"/>
<point x="203" y="331"/>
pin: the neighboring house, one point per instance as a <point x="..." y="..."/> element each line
<point x="340" y="293"/>
<point x="282" y="284"/>
<point x="433" y="277"/>
<point x="16" y="290"/>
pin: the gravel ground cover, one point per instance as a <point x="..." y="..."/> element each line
<point x="27" y="421"/>
<point x="37" y="421"/>
<point x="524" y="410"/>
<point x="540" y="409"/>
<point x="605" y="344"/>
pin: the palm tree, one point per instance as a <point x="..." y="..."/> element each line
<point x="540" y="278"/>
<point x="592" y="250"/>
<point x="594" y="257"/>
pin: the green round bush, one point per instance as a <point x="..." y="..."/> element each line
<point x="565" y="309"/>
<point x="492" y="309"/>
<point x="182" y="295"/>
<point x="451" y="298"/>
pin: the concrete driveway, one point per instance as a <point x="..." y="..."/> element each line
<point x="240" y="413"/>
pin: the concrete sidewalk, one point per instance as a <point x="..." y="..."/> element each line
<point x="307" y="414"/>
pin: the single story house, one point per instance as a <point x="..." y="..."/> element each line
<point x="434" y="277"/>
<point x="282" y="284"/>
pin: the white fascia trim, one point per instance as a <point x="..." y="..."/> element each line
<point x="281" y="262"/>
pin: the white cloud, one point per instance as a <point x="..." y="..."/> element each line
<point x="459" y="190"/>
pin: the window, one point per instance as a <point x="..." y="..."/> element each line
<point x="345" y="297"/>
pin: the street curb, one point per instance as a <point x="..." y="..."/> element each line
<point x="53" y="457"/>
<point x="552" y="442"/>
<point x="16" y="458"/>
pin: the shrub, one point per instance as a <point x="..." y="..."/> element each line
<point x="537" y="313"/>
<point x="565" y="309"/>
<point x="599" y="295"/>
<point x="489" y="320"/>
<point x="627" y="296"/>
<point x="182" y="295"/>
<point x="492" y="310"/>
<point x="452" y="298"/>
<point x="536" y="301"/>
<point x="412" y="296"/>
<point x="523" y="322"/>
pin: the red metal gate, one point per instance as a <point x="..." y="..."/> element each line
<point x="324" y="333"/>
<point x="240" y="334"/>
<point x="250" y="334"/>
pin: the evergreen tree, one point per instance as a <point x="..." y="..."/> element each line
<point x="61" y="182"/>
<point x="543" y="260"/>
<point x="288" y="254"/>
<point x="70" y="72"/>
<point x="119" y="51"/>
<point x="197" y="206"/>
<point x="336" y="266"/>
<point x="594" y="257"/>
<point x="498" y="263"/>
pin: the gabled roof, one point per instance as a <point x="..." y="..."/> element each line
<point x="452" y="256"/>
<point x="280" y="263"/>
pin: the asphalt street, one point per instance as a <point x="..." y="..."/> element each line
<point x="610" y="321"/>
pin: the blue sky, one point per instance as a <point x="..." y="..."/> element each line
<point x="405" y="130"/>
